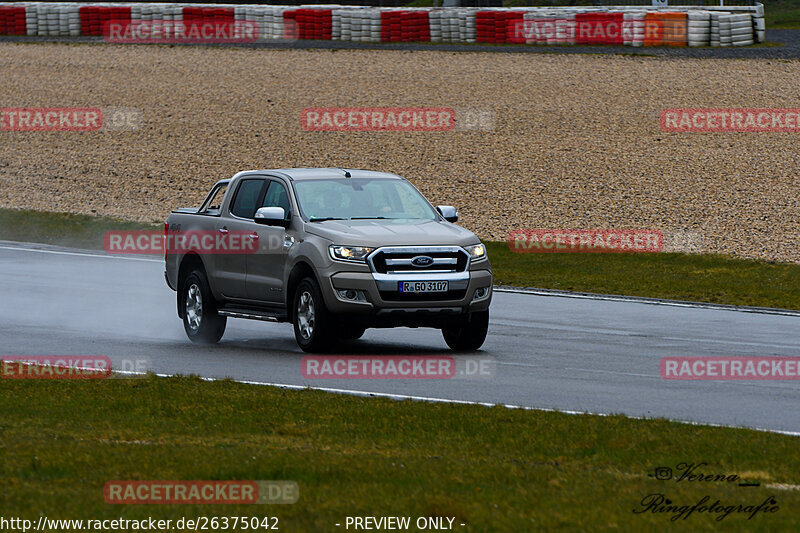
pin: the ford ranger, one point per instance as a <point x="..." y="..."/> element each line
<point x="332" y="251"/>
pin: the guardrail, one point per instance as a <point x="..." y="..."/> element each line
<point x="614" y="25"/>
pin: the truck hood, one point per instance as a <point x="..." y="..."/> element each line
<point x="376" y="233"/>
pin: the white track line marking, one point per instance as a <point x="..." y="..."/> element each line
<point x="429" y="399"/>
<point x="650" y="301"/>
<point x="79" y="254"/>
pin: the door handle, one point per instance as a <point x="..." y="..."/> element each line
<point x="254" y="236"/>
<point x="223" y="230"/>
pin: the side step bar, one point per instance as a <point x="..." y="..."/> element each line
<point x="253" y="314"/>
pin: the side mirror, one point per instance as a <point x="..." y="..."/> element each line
<point x="271" y="216"/>
<point x="448" y="212"/>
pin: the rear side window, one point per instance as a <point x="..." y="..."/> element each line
<point x="214" y="200"/>
<point x="247" y="197"/>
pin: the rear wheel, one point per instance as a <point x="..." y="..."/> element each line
<point x="469" y="335"/>
<point x="201" y="321"/>
<point x="313" y="323"/>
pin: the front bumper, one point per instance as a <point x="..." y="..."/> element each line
<point x="386" y="306"/>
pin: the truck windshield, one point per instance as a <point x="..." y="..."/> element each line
<point x="361" y="198"/>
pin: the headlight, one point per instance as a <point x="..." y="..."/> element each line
<point x="350" y="253"/>
<point x="476" y="251"/>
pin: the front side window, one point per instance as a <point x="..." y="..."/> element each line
<point x="247" y="197"/>
<point x="276" y="197"/>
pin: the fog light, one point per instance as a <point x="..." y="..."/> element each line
<point x="481" y="294"/>
<point x="352" y="295"/>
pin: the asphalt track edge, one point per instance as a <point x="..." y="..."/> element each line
<point x="400" y="397"/>
<point x="645" y="300"/>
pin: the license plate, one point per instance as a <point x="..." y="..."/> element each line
<point x="422" y="286"/>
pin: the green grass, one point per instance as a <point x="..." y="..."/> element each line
<point x="80" y="231"/>
<point x="493" y="469"/>
<point x="703" y="278"/>
<point x="782" y="14"/>
<point x="695" y="277"/>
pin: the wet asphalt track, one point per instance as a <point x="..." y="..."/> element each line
<point x="544" y="351"/>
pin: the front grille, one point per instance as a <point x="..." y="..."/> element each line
<point x="397" y="260"/>
<point x="394" y="296"/>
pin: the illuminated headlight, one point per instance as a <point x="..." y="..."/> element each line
<point x="476" y="251"/>
<point x="350" y="253"/>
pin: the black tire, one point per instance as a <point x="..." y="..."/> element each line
<point x="314" y="332"/>
<point x="349" y="333"/>
<point x="202" y="322"/>
<point x="470" y="335"/>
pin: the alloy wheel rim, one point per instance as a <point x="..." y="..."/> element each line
<point x="194" y="307"/>
<point x="305" y="315"/>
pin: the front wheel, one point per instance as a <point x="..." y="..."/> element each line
<point x="201" y="321"/>
<point x="313" y="323"/>
<point x="470" y="335"/>
<point x="349" y="333"/>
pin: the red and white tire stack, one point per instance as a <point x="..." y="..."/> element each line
<point x="623" y="25"/>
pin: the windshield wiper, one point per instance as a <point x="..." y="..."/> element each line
<point x="323" y="219"/>
<point x="368" y="218"/>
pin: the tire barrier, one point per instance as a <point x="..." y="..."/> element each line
<point x="356" y="24"/>
<point x="612" y="25"/>
<point x="269" y="20"/>
<point x="308" y="24"/>
<point x="403" y="25"/>
<point x="665" y="28"/>
<point x="633" y="26"/>
<point x="599" y="28"/>
<point x="698" y="31"/>
<point x="741" y="30"/>
<point x="13" y="21"/>
<point x="455" y="25"/>
<point x="548" y="28"/>
<point x="498" y="26"/>
<point x="94" y="17"/>
<point x="724" y="30"/>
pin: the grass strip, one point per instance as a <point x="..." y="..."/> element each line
<point x="63" y="229"/>
<point x="493" y="469"/>
<point x="694" y="277"/>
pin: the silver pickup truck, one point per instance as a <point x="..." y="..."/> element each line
<point x="332" y="251"/>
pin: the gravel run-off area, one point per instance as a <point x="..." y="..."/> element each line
<point x="573" y="142"/>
